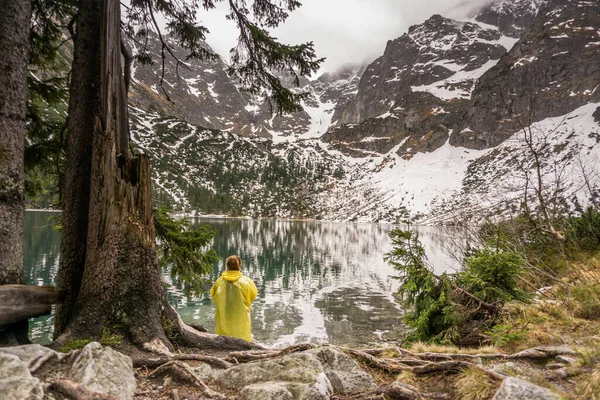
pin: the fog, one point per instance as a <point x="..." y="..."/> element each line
<point x="343" y="31"/>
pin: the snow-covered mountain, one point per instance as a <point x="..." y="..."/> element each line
<point x="434" y="126"/>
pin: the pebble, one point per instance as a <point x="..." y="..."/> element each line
<point x="565" y="359"/>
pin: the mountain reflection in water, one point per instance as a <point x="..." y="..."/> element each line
<point x="318" y="281"/>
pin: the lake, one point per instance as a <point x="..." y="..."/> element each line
<point x="318" y="282"/>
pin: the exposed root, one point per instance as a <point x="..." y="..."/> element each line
<point x="453" y="366"/>
<point x="190" y="337"/>
<point x="396" y="391"/>
<point x="388" y="365"/>
<point x="181" y="372"/>
<point x="535" y="353"/>
<point x="75" y="391"/>
<point x="253" y="355"/>
<point x="215" y="362"/>
<point x="419" y="367"/>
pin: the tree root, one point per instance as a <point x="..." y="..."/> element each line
<point x="419" y="367"/>
<point x="534" y="353"/>
<point x="76" y="391"/>
<point x="239" y="357"/>
<point x="388" y="365"/>
<point x="190" y="337"/>
<point x="182" y="373"/>
<point x="394" y="392"/>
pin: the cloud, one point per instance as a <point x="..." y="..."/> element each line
<point x="343" y="31"/>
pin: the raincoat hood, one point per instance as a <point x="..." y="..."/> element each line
<point x="231" y="276"/>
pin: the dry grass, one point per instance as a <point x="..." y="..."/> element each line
<point x="421" y="347"/>
<point x="589" y="388"/>
<point x="407" y="377"/>
<point x="474" y="384"/>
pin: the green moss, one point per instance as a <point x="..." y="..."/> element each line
<point x="75" y="344"/>
<point x="109" y="339"/>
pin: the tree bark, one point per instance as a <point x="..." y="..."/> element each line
<point x="111" y="272"/>
<point x="84" y="105"/>
<point x="14" y="41"/>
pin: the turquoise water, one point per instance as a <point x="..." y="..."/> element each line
<point x="318" y="281"/>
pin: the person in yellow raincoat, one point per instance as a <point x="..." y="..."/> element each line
<point x="233" y="294"/>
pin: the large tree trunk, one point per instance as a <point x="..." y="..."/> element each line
<point x="14" y="41"/>
<point x="111" y="273"/>
<point x="84" y="105"/>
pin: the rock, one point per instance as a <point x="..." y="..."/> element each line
<point x="556" y="374"/>
<point x="343" y="372"/>
<point x="34" y="355"/>
<point x="267" y="391"/>
<point x="554" y="366"/>
<point x="204" y="371"/>
<point x="301" y="374"/>
<point x="104" y="370"/>
<point x="518" y="389"/>
<point x="16" y="381"/>
<point x="507" y="367"/>
<point x="565" y="359"/>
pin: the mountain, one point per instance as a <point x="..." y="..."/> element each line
<point x="433" y="127"/>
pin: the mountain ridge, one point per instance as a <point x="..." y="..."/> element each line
<point x="405" y="136"/>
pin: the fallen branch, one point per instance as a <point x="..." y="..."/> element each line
<point x="182" y="373"/>
<point x="75" y="391"/>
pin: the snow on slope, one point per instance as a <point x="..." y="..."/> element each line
<point x="495" y="183"/>
<point x="455" y="182"/>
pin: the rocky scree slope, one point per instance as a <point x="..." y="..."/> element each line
<point x="436" y="118"/>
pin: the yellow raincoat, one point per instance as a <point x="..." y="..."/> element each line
<point x="233" y="293"/>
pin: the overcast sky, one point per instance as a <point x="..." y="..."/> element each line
<point x="343" y="30"/>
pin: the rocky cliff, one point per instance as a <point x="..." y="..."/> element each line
<point x="427" y="123"/>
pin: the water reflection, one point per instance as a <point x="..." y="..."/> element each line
<point x="318" y="281"/>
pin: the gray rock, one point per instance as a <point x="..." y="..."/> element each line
<point x="204" y="371"/>
<point x="554" y="366"/>
<point x="343" y="372"/>
<point x="565" y="359"/>
<point x="267" y="391"/>
<point x="301" y="374"/>
<point x="34" y="355"/>
<point x="16" y="381"/>
<point x="518" y="389"/>
<point x="104" y="370"/>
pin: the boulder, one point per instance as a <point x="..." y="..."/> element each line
<point x="518" y="389"/>
<point x="300" y="375"/>
<point x="33" y="355"/>
<point x="104" y="370"/>
<point x="16" y="380"/>
<point x="342" y="371"/>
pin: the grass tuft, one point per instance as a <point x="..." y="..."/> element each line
<point x="474" y="384"/>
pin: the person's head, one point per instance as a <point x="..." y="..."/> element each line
<point x="233" y="263"/>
